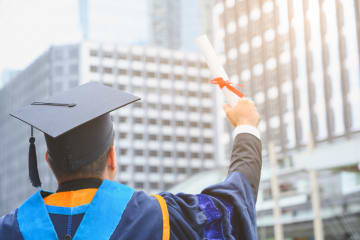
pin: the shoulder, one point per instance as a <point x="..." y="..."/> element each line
<point x="142" y="218"/>
<point x="144" y="204"/>
<point x="9" y="228"/>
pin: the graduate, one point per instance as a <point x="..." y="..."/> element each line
<point x="88" y="204"/>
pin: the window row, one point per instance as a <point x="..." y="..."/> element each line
<point x="167" y="138"/>
<point x="152" y="59"/>
<point x="153" y="153"/>
<point x="147" y="74"/>
<point x="167" y="122"/>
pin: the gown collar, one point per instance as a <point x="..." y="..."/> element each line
<point x="78" y="184"/>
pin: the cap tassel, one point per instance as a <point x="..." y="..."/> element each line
<point x="33" y="169"/>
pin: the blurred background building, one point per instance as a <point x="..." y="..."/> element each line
<point x="299" y="62"/>
<point x="163" y="23"/>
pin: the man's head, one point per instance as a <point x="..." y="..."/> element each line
<point x="84" y="152"/>
<point x="104" y="167"/>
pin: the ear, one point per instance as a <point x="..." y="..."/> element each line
<point x="111" y="165"/>
<point x="111" y="160"/>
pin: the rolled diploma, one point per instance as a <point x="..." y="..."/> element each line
<point x="215" y="67"/>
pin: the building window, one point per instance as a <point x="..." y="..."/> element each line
<point x="123" y="168"/>
<point x="167" y="154"/>
<point x="59" y="71"/>
<point x="167" y="138"/>
<point x="136" y="57"/>
<point x="167" y="170"/>
<point x="195" y="170"/>
<point x="93" y="53"/>
<point x="180" y="154"/>
<point x="180" y="123"/>
<point x="74" y="53"/>
<point x="165" y="122"/>
<point x="207" y="125"/>
<point x="74" y="69"/>
<point x="195" y="155"/>
<point x="193" y="109"/>
<point x="180" y="138"/>
<point x="138" y="120"/>
<point x="152" y="137"/>
<point x="164" y="61"/>
<point x="193" y="124"/>
<point x="108" y="70"/>
<point x="150" y="59"/>
<point x="122" y="119"/>
<point x="121" y="56"/>
<point x="93" y="68"/>
<point x="153" y="153"/>
<point x="152" y="121"/>
<point x="123" y="151"/>
<point x="107" y="54"/>
<point x="122" y="135"/>
<point x="139" y="185"/>
<point x="139" y="152"/>
<point x="165" y="106"/>
<point x="154" y="185"/>
<point x="138" y="136"/>
<point x="154" y="169"/>
<point x="179" y="108"/>
<point x="139" y="168"/>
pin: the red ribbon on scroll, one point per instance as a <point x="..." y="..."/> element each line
<point x="222" y="83"/>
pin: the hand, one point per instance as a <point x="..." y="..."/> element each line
<point x="244" y="113"/>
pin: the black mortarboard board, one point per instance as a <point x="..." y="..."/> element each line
<point x="76" y="124"/>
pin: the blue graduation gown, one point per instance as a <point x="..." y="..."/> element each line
<point x="222" y="211"/>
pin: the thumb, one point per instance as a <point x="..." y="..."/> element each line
<point x="227" y="107"/>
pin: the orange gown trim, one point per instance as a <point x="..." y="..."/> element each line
<point x="166" y="218"/>
<point x="71" y="198"/>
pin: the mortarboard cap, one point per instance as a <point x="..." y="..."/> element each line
<point x="76" y="124"/>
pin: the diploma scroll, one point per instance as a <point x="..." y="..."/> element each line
<point x="217" y="69"/>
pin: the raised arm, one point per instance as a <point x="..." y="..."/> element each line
<point x="246" y="152"/>
<point x="225" y="210"/>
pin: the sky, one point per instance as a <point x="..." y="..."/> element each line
<point x="28" y="28"/>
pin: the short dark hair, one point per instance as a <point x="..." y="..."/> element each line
<point x="93" y="169"/>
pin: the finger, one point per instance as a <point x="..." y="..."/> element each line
<point x="227" y="107"/>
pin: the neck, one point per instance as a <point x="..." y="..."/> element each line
<point x="77" y="184"/>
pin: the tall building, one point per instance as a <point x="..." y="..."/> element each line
<point x="299" y="62"/>
<point x="161" y="23"/>
<point x="108" y="21"/>
<point x="161" y="140"/>
<point x="55" y="70"/>
<point x="176" y="24"/>
<point x="303" y="77"/>
<point x="165" y="17"/>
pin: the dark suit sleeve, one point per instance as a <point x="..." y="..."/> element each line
<point x="9" y="228"/>
<point x="225" y="210"/>
<point x="246" y="159"/>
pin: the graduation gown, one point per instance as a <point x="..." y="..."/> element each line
<point x="114" y="211"/>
